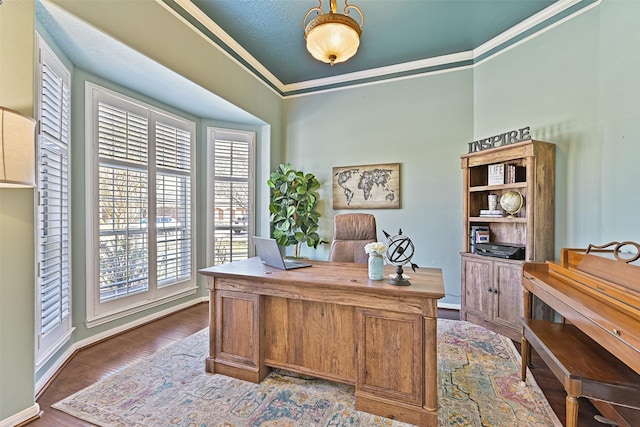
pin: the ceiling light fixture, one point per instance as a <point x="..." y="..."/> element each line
<point x="332" y="37"/>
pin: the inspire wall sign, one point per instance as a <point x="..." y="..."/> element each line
<point x="506" y="138"/>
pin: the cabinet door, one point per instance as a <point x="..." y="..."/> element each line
<point x="239" y="336"/>
<point x="477" y="285"/>
<point x="508" y="294"/>
<point x="390" y="356"/>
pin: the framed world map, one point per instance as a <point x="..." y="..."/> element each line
<point x="367" y="187"/>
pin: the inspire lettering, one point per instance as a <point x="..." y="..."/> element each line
<point x="500" y="140"/>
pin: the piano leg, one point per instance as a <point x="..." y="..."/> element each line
<point x="572" y="411"/>
<point x="525" y="353"/>
<point x="526" y="348"/>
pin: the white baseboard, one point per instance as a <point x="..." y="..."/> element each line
<point x="449" y="306"/>
<point x="106" y="334"/>
<point x="21" y="416"/>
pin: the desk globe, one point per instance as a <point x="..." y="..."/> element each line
<point x="400" y="250"/>
<point x="512" y="201"/>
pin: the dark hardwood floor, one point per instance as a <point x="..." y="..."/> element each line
<point x="105" y="358"/>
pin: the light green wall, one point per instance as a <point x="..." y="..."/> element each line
<point x="16" y="221"/>
<point x="619" y="120"/>
<point x="576" y="85"/>
<point x="422" y="123"/>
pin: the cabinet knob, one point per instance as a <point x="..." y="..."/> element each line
<point x="616" y="332"/>
<point x="495" y="291"/>
<point x="490" y="290"/>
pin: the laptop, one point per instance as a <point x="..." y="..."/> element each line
<point x="270" y="255"/>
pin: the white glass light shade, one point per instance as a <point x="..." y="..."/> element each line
<point x="333" y="42"/>
<point x="17" y="150"/>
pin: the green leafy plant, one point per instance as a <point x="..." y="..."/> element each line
<point x="294" y="198"/>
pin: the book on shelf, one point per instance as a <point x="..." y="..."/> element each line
<point x="491" y="213"/>
<point x="514" y="173"/>
<point x="496" y="174"/>
<point x="479" y="234"/>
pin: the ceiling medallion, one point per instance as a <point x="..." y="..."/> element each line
<point x="332" y="37"/>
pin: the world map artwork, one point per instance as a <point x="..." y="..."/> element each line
<point x="371" y="186"/>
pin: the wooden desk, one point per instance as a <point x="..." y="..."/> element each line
<point x="332" y="322"/>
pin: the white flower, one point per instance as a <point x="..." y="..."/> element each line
<point x="378" y="248"/>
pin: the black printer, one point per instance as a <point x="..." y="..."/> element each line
<point x="501" y="250"/>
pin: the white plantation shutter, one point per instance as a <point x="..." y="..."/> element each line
<point x="124" y="258"/>
<point x="173" y="221"/>
<point x="144" y="182"/>
<point x="123" y="199"/>
<point x="54" y="240"/>
<point x="173" y="204"/>
<point x="173" y="147"/>
<point x="122" y="135"/>
<point x="231" y="192"/>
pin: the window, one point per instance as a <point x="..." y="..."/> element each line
<point x="53" y="324"/>
<point x="142" y="221"/>
<point x="230" y="192"/>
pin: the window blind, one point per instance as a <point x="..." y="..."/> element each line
<point x="53" y="207"/>
<point x="123" y="198"/>
<point x="122" y="135"/>
<point x="124" y="257"/>
<point x="145" y="202"/>
<point x="232" y="196"/>
<point x="173" y="203"/>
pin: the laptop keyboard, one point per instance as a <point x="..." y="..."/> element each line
<point x="291" y="263"/>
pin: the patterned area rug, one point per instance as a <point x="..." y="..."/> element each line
<point x="478" y="374"/>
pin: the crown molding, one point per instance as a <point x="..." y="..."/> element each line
<point x="524" y="26"/>
<point x="230" y="45"/>
<point x="525" y="29"/>
<point x="376" y="73"/>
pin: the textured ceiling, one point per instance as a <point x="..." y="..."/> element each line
<point x="394" y="31"/>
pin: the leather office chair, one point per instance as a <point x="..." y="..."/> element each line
<point x="351" y="232"/>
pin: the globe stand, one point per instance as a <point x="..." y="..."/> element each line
<point x="399" y="252"/>
<point x="398" y="280"/>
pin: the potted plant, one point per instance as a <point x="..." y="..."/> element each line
<point x="294" y="199"/>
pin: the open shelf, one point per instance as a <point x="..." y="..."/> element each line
<point x="505" y="219"/>
<point x="514" y="186"/>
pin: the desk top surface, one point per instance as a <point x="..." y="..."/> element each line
<point x="425" y="282"/>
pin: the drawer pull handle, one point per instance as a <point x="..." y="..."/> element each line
<point x="616" y="332"/>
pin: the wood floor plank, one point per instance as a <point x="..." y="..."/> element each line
<point x="108" y="357"/>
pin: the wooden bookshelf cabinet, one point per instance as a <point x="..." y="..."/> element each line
<point x="491" y="287"/>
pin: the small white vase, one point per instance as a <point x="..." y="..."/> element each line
<point x="376" y="267"/>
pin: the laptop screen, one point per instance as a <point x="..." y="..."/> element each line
<point x="269" y="253"/>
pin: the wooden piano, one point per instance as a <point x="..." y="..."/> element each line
<point x="594" y="348"/>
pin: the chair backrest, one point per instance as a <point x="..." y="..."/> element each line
<point x="351" y="232"/>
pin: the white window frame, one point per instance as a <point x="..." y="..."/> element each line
<point x="50" y="341"/>
<point x="213" y="134"/>
<point x="102" y="312"/>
